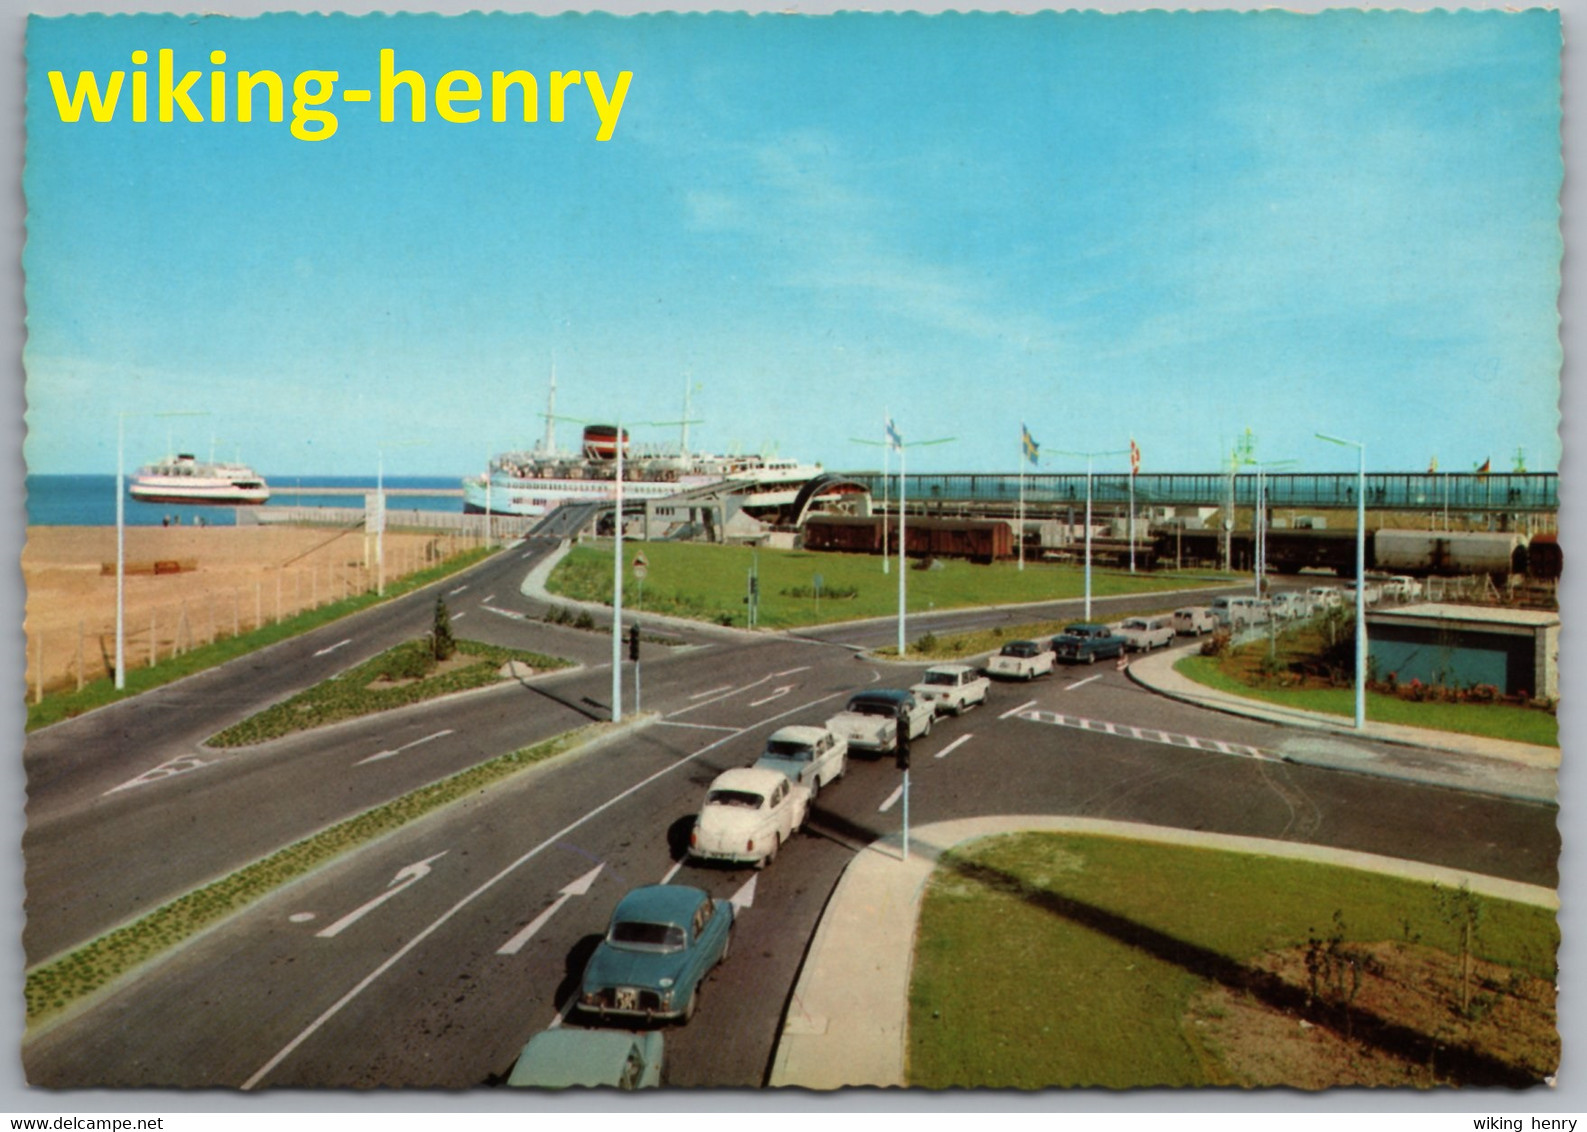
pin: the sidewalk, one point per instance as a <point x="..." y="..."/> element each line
<point x="1447" y="758"/>
<point x="848" y="1018"/>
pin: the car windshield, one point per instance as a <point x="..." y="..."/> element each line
<point x="1134" y="625"/>
<point x="941" y="678"/>
<point x="741" y="798"/>
<point x="788" y="749"/>
<point x="1019" y="648"/>
<point x="639" y="935"/>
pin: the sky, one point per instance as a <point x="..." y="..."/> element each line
<point x="1169" y="227"/>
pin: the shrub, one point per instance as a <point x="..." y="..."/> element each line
<point x="441" y="641"/>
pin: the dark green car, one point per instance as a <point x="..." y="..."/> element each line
<point x="564" y="1058"/>
<point x="663" y="940"/>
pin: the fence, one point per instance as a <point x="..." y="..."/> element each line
<point x="61" y="661"/>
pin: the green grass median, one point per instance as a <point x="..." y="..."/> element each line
<point x="1057" y="960"/>
<point x="711" y="582"/>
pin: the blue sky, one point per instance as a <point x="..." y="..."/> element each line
<point x="1168" y="226"/>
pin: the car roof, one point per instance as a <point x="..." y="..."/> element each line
<point x="796" y="735"/>
<point x="564" y="1057"/>
<point x="660" y="903"/>
<point x="883" y="695"/>
<point x="753" y="780"/>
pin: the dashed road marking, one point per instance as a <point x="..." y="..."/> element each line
<point x="1016" y="711"/>
<point x="898" y="792"/>
<point x="1082" y="683"/>
<point x="960" y="741"/>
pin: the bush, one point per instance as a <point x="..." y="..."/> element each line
<point x="441" y="641"/>
<point x="1217" y="644"/>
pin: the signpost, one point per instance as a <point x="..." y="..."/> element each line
<point x="641" y="568"/>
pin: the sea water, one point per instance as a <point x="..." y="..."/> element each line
<point x="90" y="501"/>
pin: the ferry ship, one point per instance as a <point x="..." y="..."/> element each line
<point x="185" y="479"/>
<point x="533" y="482"/>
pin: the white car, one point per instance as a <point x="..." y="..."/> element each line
<point x="1402" y="588"/>
<point x="1022" y="660"/>
<point x="810" y="757"/>
<point x="1370" y="594"/>
<point x="1290" y="606"/>
<point x="748" y="813"/>
<point x="1324" y="597"/>
<point x="952" y="687"/>
<point x="872" y="718"/>
<point x="1194" y="620"/>
<point x="1143" y="634"/>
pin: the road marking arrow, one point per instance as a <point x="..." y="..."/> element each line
<point x="962" y="739"/>
<point x="577" y="888"/>
<point x="744" y="897"/>
<point x="333" y="648"/>
<point x="405" y="878"/>
<point x="781" y="691"/>
<point x="404" y="747"/>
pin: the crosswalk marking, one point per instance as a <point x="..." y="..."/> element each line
<point x="1149" y="735"/>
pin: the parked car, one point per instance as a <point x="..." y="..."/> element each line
<point x="748" y="813"/>
<point x="1021" y="660"/>
<point x="952" y="687"/>
<point x="568" y="1058"/>
<point x="1325" y="597"/>
<point x="1088" y="643"/>
<point x="810" y="757"/>
<point x="1143" y="634"/>
<point x="1193" y="621"/>
<point x="1401" y="587"/>
<point x="662" y="941"/>
<point x="873" y="717"/>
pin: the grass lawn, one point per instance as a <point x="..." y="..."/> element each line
<point x="710" y="583"/>
<point x="406" y="674"/>
<point x="1053" y="960"/>
<point x="1494" y="721"/>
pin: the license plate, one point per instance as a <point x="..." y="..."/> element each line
<point x="627" y="998"/>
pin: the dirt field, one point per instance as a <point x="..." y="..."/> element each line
<point x="211" y="582"/>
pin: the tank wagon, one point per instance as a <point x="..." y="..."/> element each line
<point x="1392" y="551"/>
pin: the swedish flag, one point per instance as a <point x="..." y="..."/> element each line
<point x="1028" y="443"/>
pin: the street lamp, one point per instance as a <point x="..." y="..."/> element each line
<point x="895" y="440"/>
<point x="1361" y="573"/>
<point x="1089" y="457"/>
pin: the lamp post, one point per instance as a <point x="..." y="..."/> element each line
<point x="895" y="440"/>
<point x="1089" y="458"/>
<point x="1361" y="573"/>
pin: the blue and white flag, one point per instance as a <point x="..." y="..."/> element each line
<point x="1028" y="442"/>
<point x="893" y="439"/>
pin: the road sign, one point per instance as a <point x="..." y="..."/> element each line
<point x="641" y="567"/>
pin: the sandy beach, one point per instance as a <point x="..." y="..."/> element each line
<point x="186" y="586"/>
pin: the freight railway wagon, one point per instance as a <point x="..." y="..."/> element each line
<point x="1446" y="553"/>
<point x="980" y="540"/>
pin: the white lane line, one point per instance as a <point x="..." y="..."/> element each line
<point x="1083" y="683"/>
<point x="436" y="925"/>
<point x="898" y="792"/>
<point x="781" y="691"/>
<point x="579" y="887"/>
<point x="388" y="754"/>
<point x="1016" y="711"/>
<point x="488" y="599"/>
<point x="712" y="692"/>
<point x="333" y="648"/>
<point x="697" y="726"/>
<point x="459" y="616"/>
<point x="732" y="692"/>
<point x="504" y="612"/>
<point x="672" y="872"/>
<point x="959" y="742"/>
<point x="458" y="590"/>
<point x="791" y="671"/>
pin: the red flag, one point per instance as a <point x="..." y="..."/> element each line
<point x="1135" y="457"/>
<point x="1487" y="466"/>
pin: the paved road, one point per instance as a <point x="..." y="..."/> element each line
<point x="413" y="989"/>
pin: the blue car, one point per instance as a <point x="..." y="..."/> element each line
<point x="663" y="940"/>
<point x="594" y="1059"/>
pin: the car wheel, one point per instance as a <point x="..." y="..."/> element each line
<point x="815" y="792"/>
<point x="771" y="854"/>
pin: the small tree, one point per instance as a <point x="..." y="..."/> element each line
<point x="1463" y="912"/>
<point x="442" y="642"/>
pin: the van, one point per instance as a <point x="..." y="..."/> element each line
<point x="1194" y="620"/>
